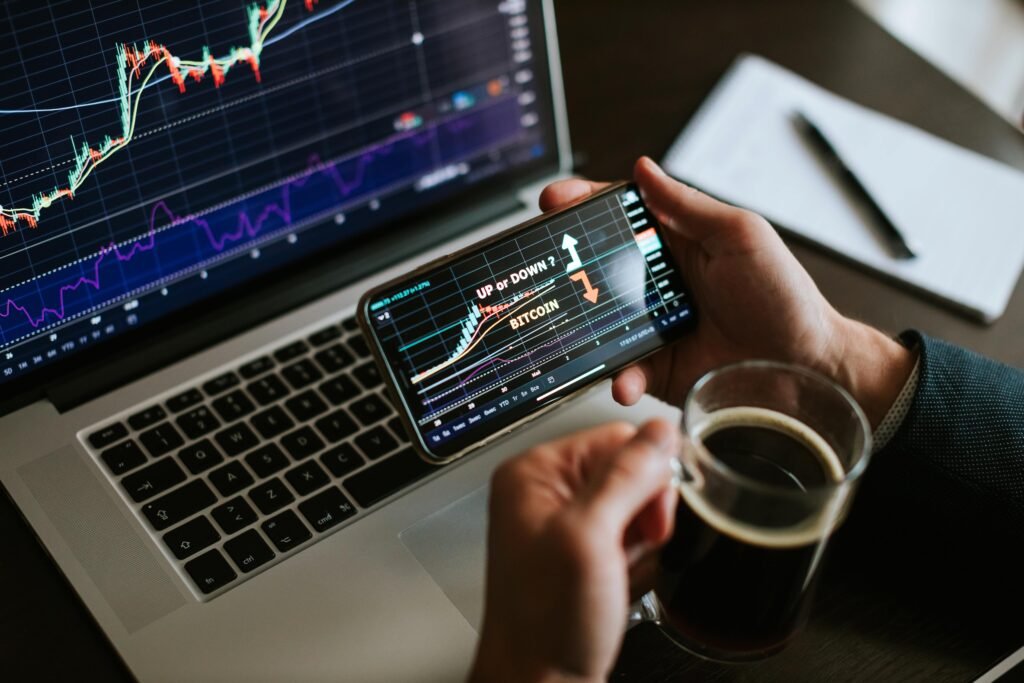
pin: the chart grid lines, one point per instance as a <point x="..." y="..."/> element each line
<point x="201" y="140"/>
<point x="494" y="332"/>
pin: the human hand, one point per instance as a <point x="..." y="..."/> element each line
<point x="753" y="299"/>
<point x="573" y="529"/>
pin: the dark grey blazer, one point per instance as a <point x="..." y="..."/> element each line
<point x="959" y="454"/>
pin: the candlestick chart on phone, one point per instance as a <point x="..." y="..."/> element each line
<point x="152" y="153"/>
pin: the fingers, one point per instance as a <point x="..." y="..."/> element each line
<point x="627" y="481"/>
<point x="680" y="207"/>
<point x="567" y="191"/>
<point x="596" y="442"/>
<point x="653" y="525"/>
<point x="631" y="384"/>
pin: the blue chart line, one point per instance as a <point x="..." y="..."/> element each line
<point x="117" y="270"/>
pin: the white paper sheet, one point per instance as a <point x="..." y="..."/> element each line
<point x="964" y="211"/>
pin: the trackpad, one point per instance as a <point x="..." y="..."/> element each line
<point x="451" y="544"/>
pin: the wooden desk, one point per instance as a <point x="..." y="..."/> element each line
<point x="635" y="71"/>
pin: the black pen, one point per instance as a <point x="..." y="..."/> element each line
<point x="900" y="247"/>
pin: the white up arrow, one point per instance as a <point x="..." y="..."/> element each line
<point x="568" y="242"/>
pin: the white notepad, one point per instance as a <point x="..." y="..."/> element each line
<point x="963" y="210"/>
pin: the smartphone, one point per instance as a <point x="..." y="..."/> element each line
<point x="477" y="343"/>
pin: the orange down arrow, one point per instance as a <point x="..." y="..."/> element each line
<point x="591" y="293"/>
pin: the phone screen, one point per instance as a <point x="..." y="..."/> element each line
<point x="502" y="330"/>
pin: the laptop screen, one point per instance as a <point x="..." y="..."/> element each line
<point x="157" y="154"/>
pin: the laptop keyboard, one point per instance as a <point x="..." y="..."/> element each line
<point x="244" y="469"/>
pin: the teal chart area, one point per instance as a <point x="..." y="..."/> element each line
<point x="489" y="337"/>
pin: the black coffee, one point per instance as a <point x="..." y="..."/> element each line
<point x="736" y="579"/>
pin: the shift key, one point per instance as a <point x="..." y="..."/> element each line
<point x="387" y="476"/>
<point x="179" y="504"/>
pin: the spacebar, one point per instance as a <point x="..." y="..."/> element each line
<point x="388" y="476"/>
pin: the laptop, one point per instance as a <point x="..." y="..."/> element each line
<point x="192" y="199"/>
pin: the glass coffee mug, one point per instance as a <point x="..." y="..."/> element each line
<point x="771" y="458"/>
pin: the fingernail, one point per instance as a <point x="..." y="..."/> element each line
<point x="653" y="165"/>
<point x="663" y="437"/>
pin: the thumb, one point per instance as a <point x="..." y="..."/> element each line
<point x="635" y="475"/>
<point x="681" y="208"/>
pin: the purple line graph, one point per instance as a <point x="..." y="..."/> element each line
<point x="175" y="244"/>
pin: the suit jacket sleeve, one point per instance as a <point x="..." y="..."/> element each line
<point x="958" y="457"/>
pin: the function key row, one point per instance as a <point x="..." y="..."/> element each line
<point x="291" y="351"/>
<point x="220" y="384"/>
<point x="147" y="418"/>
<point x="256" y="367"/>
<point x="325" y="335"/>
<point x="108" y="435"/>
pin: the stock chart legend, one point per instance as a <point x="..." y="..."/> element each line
<point x="529" y="317"/>
<point x="158" y="154"/>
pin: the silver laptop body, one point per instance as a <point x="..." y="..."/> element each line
<point x="389" y="590"/>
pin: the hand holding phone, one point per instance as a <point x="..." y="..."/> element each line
<point x="477" y="343"/>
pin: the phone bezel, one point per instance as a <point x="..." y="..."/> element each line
<point x="405" y="414"/>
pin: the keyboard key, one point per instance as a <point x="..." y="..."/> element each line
<point x="271" y="496"/>
<point x="236" y="439"/>
<point x="358" y="344"/>
<point x="145" y="418"/>
<point x="369" y="409"/>
<point x="123" y="457"/>
<point x="350" y="324"/>
<point x="249" y="551"/>
<point x="271" y="422"/>
<point x="334" y="358"/>
<point x="187" y="399"/>
<point x="368" y="375"/>
<point x="191" y="537"/>
<point x="337" y="426"/>
<point x="286" y="531"/>
<point x="179" y="504"/>
<point x="291" y="351"/>
<point x="339" y="389"/>
<point x="302" y="373"/>
<point x="342" y="459"/>
<point x="267" y="390"/>
<point x="161" y="439"/>
<point x="307" y="477"/>
<point x="200" y="457"/>
<point x="108" y="435"/>
<point x="198" y="422"/>
<point x="376" y="442"/>
<point x="306" y="406"/>
<point x="152" y="480"/>
<point x="233" y="406"/>
<point x="210" y="571"/>
<point x="324" y="336"/>
<point x="398" y="429"/>
<point x="256" y="367"/>
<point x="231" y="478"/>
<point x="266" y="460"/>
<point x="302" y="443"/>
<point x="387" y="477"/>
<point x="327" y="509"/>
<point x="234" y="515"/>
<point x="218" y="385"/>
